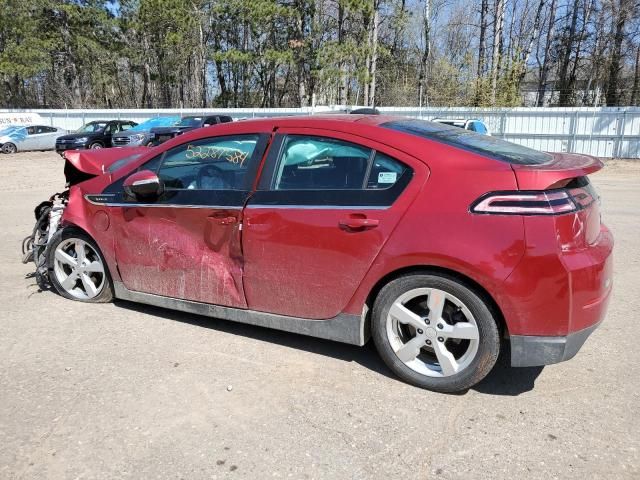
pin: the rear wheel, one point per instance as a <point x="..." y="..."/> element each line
<point x="78" y="270"/>
<point x="435" y="332"/>
<point x="9" y="148"/>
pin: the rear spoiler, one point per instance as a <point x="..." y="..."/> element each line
<point x="555" y="174"/>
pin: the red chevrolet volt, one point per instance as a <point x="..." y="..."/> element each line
<point x="441" y="244"/>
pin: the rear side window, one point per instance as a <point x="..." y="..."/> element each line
<point x="318" y="163"/>
<point x="385" y="172"/>
<point x="45" y="129"/>
<point x="482" y="144"/>
<point x="310" y="170"/>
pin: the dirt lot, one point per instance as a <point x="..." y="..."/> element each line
<point x="128" y="391"/>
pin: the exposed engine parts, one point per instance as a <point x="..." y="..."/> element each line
<point x="34" y="247"/>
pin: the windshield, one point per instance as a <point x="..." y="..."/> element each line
<point x="190" y="122"/>
<point x="467" y="140"/>
<point x="92" y="127"/>
<point x="155" y="122"/>
<point x="122" y="162"/>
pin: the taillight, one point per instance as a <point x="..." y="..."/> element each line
<point x="546" y="202"/>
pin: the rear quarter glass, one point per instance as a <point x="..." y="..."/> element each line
<point x="482" y="144"/>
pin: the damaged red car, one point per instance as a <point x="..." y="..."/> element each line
<point x="443" y="245"/>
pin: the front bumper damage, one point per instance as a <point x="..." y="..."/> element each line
<point x="35" y="246"/>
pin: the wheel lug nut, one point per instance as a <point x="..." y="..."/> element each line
<point x="427" y="321"/>
<point x="420" y="331"/>
<point x="428" y="342"/>
<point x="440" y="325"/>
<point x="440" y="339"/>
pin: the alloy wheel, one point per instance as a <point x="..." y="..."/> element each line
<point x="9" y="148"/>
<point x="79" y="269"/>
<point x="432" y="332"/>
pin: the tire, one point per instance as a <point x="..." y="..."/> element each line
<point x="62" y="254"/>
<point x="466" y="329"/>
<point x="96" y="146"/>
<point x="9" y="148"/>
<point x="149" y="144"/>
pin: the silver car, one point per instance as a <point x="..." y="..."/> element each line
<point x="33" y="137"/>
<point x="141" y="135"/>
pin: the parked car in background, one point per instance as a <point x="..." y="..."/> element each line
<point x="472" y="124"/>
<point x="365" y="111"/>
<point x="141" y="134"/>
<point x="33" y="137"/>
<point x="440" y="244"/>
<point x="93" y="135"/>
<point x="162" y="134"/>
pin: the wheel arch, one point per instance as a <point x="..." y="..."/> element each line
<point x="470" y="283"/>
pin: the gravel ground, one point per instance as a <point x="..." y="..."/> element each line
<point x="129" y="391"/>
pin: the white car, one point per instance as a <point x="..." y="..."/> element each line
<point x="472" y="124"/>
<point x="18" y="138"/>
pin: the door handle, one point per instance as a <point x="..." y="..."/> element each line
<point x="357" y="223"/>
<point x="223" y="220"/>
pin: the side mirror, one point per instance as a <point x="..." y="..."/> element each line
<point x="143" y="184"/>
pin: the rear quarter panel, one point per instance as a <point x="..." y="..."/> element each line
<point x="439" y="231"/>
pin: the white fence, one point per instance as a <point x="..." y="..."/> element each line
<point x="604" y="132"/>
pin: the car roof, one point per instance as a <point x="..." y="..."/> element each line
<point x="361" y="125"/>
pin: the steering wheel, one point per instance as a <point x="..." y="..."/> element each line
<point x="210" y="177"/>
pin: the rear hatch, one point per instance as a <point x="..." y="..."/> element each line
<point x="549" y="184"/>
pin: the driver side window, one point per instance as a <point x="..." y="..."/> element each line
<point x="221" y="163"/>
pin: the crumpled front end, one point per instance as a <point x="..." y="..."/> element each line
<point x="79" y="166"/>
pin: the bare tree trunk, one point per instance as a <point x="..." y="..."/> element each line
<point x="482" y="51"/>
<point x="374" y="55"/>
<point x="535" y="33"/>
<point x="581" y="37"/>
<point x="564" y="84"/>
<point x="635" y="90"/>
<point x="367" y="63"/>
<point x="342" y="81"/>
<point x="613" y="93"/>
<point x="426" y="30"/>
<point x="546" y="62"/>
<point x="497" y="46"/>
<point x="201" y="67"/>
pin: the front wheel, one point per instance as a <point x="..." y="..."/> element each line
<point x="78" y="270"/>
<point x="435" y="332"/>
<point x="96" y="146"/>
<point x="9" y="148"/>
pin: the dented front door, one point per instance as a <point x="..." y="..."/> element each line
<point x="186" y="244"/>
